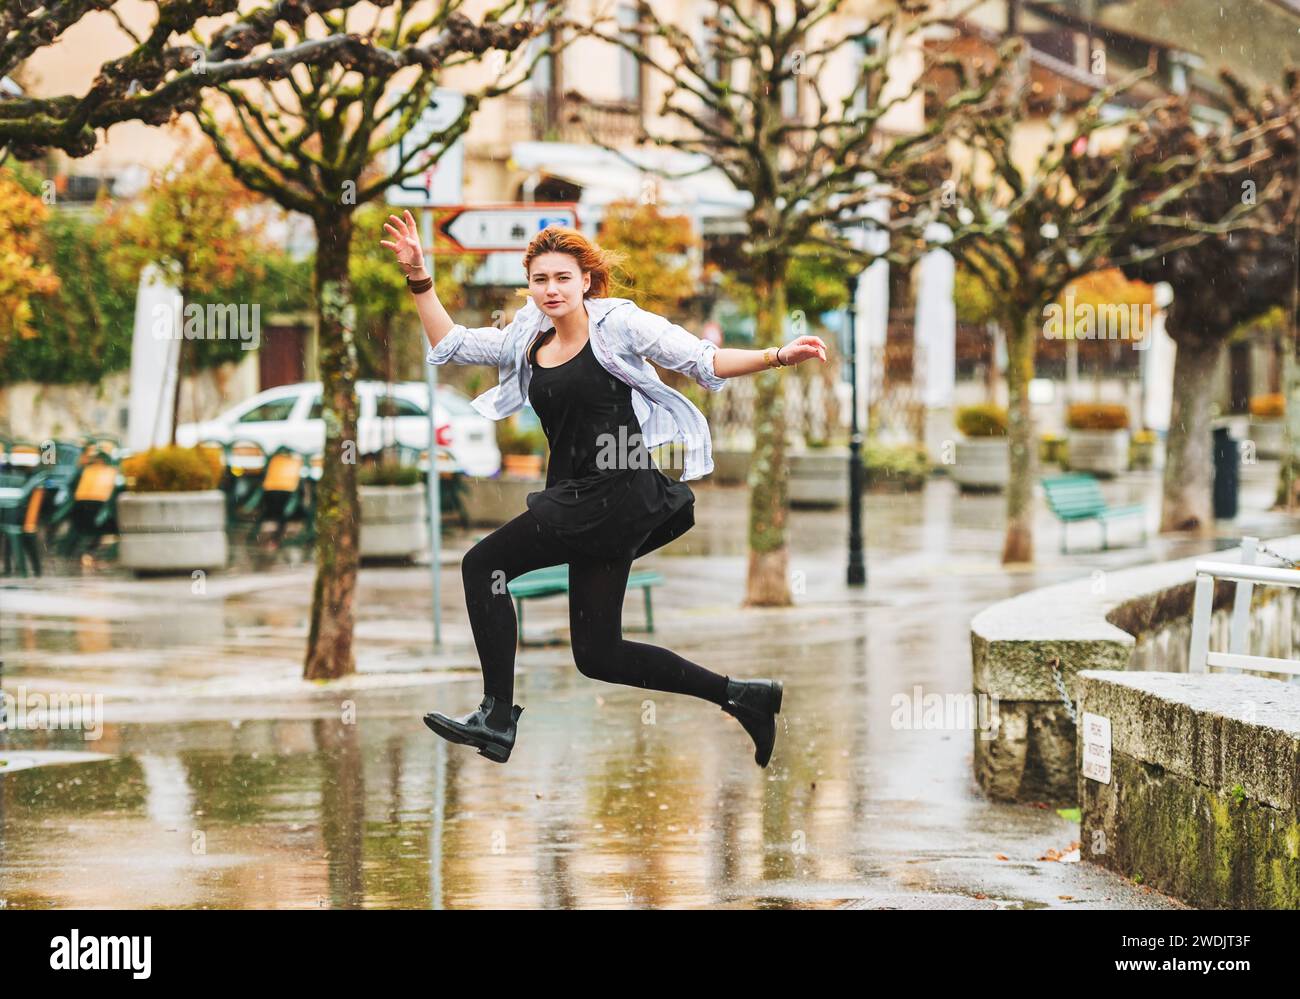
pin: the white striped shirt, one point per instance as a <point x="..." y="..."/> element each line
<point x="624" y="338"/>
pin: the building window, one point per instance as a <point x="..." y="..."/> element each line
<point x="716" y="68"/>
<point x="545" y="79"/>
<point x="866" y="48"/>
<point x="629" y="67"/>
<point x="792" y="96"/>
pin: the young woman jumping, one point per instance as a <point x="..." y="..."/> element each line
<point x="580" y="360"/>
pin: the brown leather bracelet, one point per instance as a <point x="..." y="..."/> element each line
<point x="419" y="287"/>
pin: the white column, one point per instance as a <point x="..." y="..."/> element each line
<point x="935" y="340"/>
<point x="872" y="307"/>
<point x="155" y="348"/>
<point x="1158" y="369"/>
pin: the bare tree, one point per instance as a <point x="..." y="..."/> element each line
<point x="811" y="170"/>
<point x="1028" y="229"/>
<point x="1222" y="280"/>
<point x="315" y="143"/>
<point x="165" y="71"/>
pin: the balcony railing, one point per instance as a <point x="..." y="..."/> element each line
<point x="572" y="118"/>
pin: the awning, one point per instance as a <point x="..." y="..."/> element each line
<point x="707" y="196"/>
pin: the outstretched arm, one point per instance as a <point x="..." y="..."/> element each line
<point x="448" y="339"/>
<point x="435" y="319"/>
<point x="729" y="362"/>
<point x="675" y="348"/>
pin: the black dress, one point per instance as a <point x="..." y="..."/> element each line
<point x="604" y="496"/>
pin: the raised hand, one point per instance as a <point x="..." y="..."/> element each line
<point x="802" y="349"/>
<point x="405" y="242"/>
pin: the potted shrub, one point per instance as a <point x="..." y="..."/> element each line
<point x="394" y="518"/>
<point x="895" y="467"/>
<point x="1147" y="451"/>
<point x="171" y="516"/>
<point x="1267" y="424"/>
<point x="522" y="451"/>
<point x="819" y="475"/>
<point x="983" y="454"/>
<point x="1051" y="449"/>
<point x="733" y="454"/>
<point x="1098" y="438"/>
<point x="494" y="501"/>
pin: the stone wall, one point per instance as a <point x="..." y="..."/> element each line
<point x="1134" y="619"/>
<point x="36" y="412"/>
<point x="1202" y="797"/>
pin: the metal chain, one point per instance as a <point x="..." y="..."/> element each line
<point x="1281" y="558"/>
<point x="1060" y="686"/>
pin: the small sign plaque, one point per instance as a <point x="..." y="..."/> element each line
<point x="1096" y="747"/>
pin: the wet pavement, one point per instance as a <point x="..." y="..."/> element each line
<point x="224" y="780"/>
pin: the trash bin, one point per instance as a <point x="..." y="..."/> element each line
<point x="1227" y="474"/>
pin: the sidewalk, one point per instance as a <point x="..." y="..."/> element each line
<point x="614" y="796"/>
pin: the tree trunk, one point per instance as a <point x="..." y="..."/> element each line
<point x="768" y="582"/>
<point x="1288" y="492"/>
<point x="329" y="645"/>
<point x="1019" y="543"/>
<point x="1188" y="500"/>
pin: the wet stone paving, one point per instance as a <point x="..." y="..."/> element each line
<point x="215" y="777"/>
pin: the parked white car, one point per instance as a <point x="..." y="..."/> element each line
<point x="291" y="415"/>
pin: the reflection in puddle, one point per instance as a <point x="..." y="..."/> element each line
<point x="232" y="784"/>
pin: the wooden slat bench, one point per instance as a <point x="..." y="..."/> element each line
<point x="1078" y="497"/>
<point x="554" y="580"/>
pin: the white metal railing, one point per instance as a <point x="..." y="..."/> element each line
<point x="1246" y="575"/>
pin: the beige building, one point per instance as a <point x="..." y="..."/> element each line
<point x="533" y="144"/>
<point x="604" y="87"/>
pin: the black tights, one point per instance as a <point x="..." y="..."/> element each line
<point x="596" y="590"/>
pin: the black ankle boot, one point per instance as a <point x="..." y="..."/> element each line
<point x="755" y="704"/>
<point x="494" y="739"/>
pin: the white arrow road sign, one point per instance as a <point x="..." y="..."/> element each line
<point x="504" y="228"/>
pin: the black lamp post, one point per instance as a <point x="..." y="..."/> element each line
<point x="857" y="575"/>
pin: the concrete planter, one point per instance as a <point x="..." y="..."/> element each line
<point x="394" y="521"/>
<point x="1101" y="452"/>
<point x="1149" y="457"/>
<point x="820" y="478"/>
<point x="731" y="468"/>
<point x="983" y="463"/>
<point x="1051" y="450"/>
<point x="1269" y="437"/>
<point x="172" y="531"/>
<point x="524" y="466"/>
<point x="492" y="502"/>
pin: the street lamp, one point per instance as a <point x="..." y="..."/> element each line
<point x="856" y="233"/>
<point x="857" y="572"/>
<point x="864" y="231"/>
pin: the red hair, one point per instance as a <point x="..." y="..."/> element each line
<point x="591" y="258"/>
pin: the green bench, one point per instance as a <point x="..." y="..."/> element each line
<point x="1078" y="497"/>
<point x="555" y="579"/>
